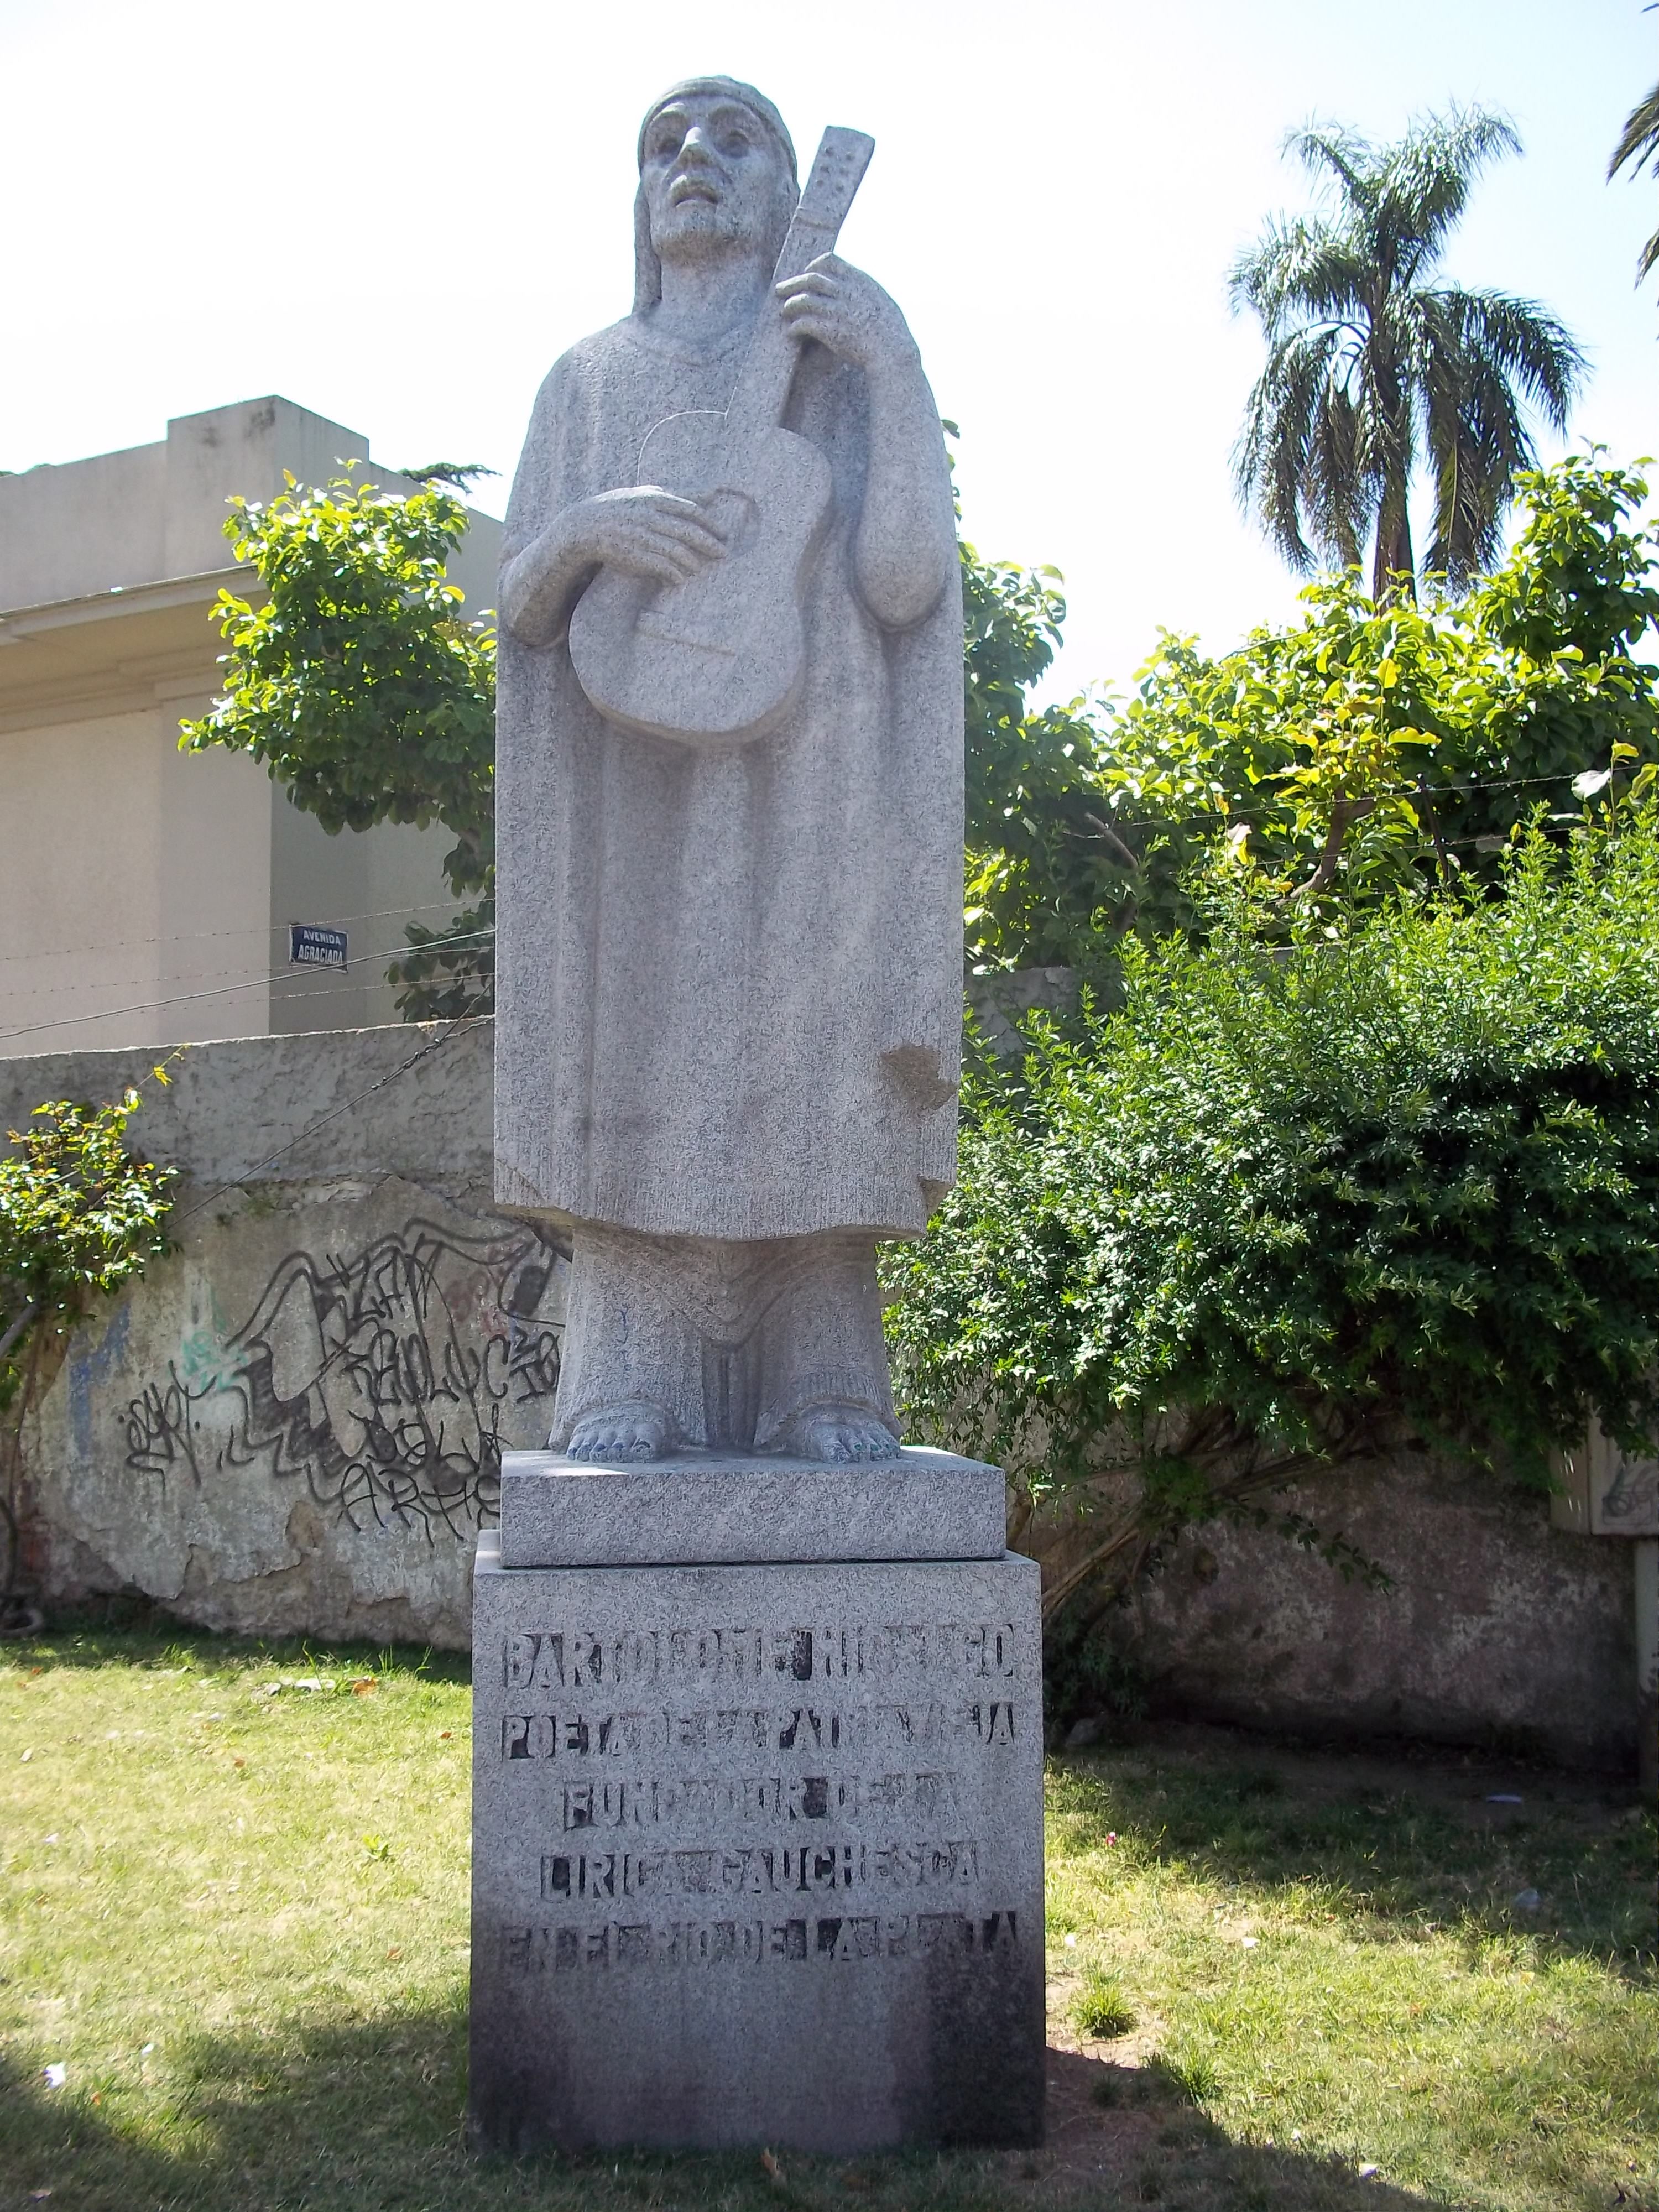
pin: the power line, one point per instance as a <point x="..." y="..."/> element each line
<point x="250" y="982"/>
<point x="430" y="1046"/>
<point x="1210" y="816"/>
<point x="246" y="929"/>
<point x="226" y="990"/>
<point x="439" y="905"/>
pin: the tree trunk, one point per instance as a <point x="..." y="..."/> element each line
<point x="1394" y="558"/>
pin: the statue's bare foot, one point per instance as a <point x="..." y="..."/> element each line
<point x="835" y="1434"/>
<point x="636" y="1431"/>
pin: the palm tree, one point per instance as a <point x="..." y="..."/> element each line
<point x="1374" y="365"/>
<point x="1638" y="142"/>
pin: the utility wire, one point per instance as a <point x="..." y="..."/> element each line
<point x="485" y="937"/>
<point x="439" y="905"/>
<point x="1210" y="816"/>
<point x="225" y="990"/>
<point x="430" y="1046"/>
<point x="246" y="929"/>
<point x="249" y="982"/>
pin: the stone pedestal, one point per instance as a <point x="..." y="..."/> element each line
<point x="758" y="1849"/>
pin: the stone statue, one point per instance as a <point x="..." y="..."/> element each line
<point x="729" y="985"/>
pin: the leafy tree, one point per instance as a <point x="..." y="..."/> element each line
<point x="79" y="1213"/>
<point x="1638" y="141"/>
<point x="362" y="688"/>
<point x="1041" y="861"/>
<point x="1362" y="750"/>
<point x="1290" y="1202"/>
<point x="361" y="691"/>
<point x="1376" y="364"/>
<point x="1359" y="749"/>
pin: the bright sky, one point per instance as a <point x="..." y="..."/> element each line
<point x="398" y="214"/>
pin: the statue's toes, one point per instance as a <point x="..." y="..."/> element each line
<point x="621" y="1434"/>
<point x="588" y="1440"/>
<point x="841" y="1438"/>
<point x="640" y="1440"/>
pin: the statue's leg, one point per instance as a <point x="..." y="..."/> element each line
<point x="630" y="1373"/>
<point x="825" y="1392"/>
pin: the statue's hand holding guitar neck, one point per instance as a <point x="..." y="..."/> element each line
<point x="846" y="312"/>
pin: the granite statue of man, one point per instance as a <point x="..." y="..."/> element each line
<point x="729" y="974"/>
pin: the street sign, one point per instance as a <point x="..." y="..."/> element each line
<point x="310" y="947"/>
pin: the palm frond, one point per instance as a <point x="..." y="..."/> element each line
<point x="1350" y="158"/>
<point x="1304" y="266"/>
<point x="1476" y="357"/>
<point x="1639" y="138"/>
<point x="1476" y="440"/>
<point x="1639" y="141"/>
<point x="1288" y="463"/>
<point x="1424" y="181"/>
<point x="1339" y="494"/>
<point x="1532" y="349"/>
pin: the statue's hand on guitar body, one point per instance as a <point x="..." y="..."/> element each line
<point x="718" y="657"/>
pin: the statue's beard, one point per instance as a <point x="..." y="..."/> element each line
<point x="698" y="228"/>
<point x="695" y="230"/>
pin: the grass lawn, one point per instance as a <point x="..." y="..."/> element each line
<point x="236" y="1917"/>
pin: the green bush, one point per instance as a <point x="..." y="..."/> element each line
<point x="1284" y="1200"/>
<point x="79" y="1213"/>
<point x="1089" y="1675"/>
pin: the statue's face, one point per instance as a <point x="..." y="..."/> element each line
<point x="714" y="177"/>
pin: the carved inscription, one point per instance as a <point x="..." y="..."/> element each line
<point x="620" y="1945"/>
<point x="759" y="1870"/>
<point x="682" y="1775"/>
<point x="802" y="1729"/>
<point x="587" y="1659"/>
<point x="702" y="1800"/>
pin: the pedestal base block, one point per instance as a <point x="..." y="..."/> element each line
<point x="757" y="1854"/>
<point x="706" y="1507"/>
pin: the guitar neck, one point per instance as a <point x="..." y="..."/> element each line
<point x="768" y="366"/>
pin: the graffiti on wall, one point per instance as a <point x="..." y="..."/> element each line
<point x="1629" y="1505"/>
<point x="386" y="1382"/>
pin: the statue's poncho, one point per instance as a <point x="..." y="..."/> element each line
<point x="729" y="988"/>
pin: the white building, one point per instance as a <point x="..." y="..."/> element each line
<point x="147" y="894"/>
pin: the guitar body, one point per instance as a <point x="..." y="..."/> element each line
<point x="717" y="658"/>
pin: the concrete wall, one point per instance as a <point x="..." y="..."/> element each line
<point x="291" y="1425"/>
<point x="148" y="893"/>
<point x="1499" y="1629"/>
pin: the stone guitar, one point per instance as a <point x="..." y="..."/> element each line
<point x="719" y="658"/>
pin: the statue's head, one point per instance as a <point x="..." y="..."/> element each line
<point x="717" y="174"/>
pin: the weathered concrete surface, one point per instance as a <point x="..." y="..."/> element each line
<point x="380" y="1102"/>
<point x="999" y="1001"/>
<point x="1498" y="1628"/>
<point x="294" y="1423"/>
<point x="717" y="1508"/>
<point x="757" y="1854"/>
